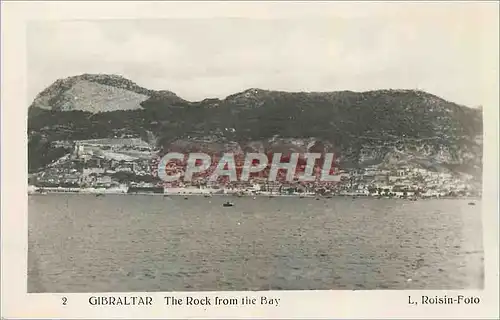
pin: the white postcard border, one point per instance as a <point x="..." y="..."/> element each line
<point x="16" y="303"/>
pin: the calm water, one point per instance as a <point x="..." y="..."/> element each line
<point x="80" y="243"/>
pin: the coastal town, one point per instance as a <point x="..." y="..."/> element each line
<point x="129" y="166"/>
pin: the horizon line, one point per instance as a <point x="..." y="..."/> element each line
<point x="117" y="75"/>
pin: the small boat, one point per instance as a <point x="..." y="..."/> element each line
<point x="207" y="196"/>
<point x="228" y="204"/>
<point x="185" y="198"/>
<point x="99" y="195"/>
<point x="472" y="203"/>
<point x="254" y="198"/>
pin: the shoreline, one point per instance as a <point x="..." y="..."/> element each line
<point x="234" y="195"/>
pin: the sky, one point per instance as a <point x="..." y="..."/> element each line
<point x="438" y="48"/>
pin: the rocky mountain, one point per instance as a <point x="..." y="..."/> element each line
<point x="95" y="93"/>
<point x="389" y="127"/>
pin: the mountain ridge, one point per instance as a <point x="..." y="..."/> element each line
<point x="358" y="125"/>
<point x="121" y="82"/>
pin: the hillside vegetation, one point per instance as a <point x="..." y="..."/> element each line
<point x="361" y="127"/>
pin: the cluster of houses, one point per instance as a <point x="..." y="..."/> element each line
<point x="126" y="164"/>
<point x="411" y="181"/>
<point x="95" y="163"/>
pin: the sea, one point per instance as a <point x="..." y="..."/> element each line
<point x="124" y="243"/>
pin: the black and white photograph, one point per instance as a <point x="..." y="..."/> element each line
<point x="251" y="160"/>
<point x="242" y="154"/>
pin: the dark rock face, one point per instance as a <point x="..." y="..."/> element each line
<point x="362" y="128"/>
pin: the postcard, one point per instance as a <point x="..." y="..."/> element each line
<point x="249" y="160"/>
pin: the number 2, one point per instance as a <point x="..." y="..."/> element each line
<point x="64" y="300"/>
